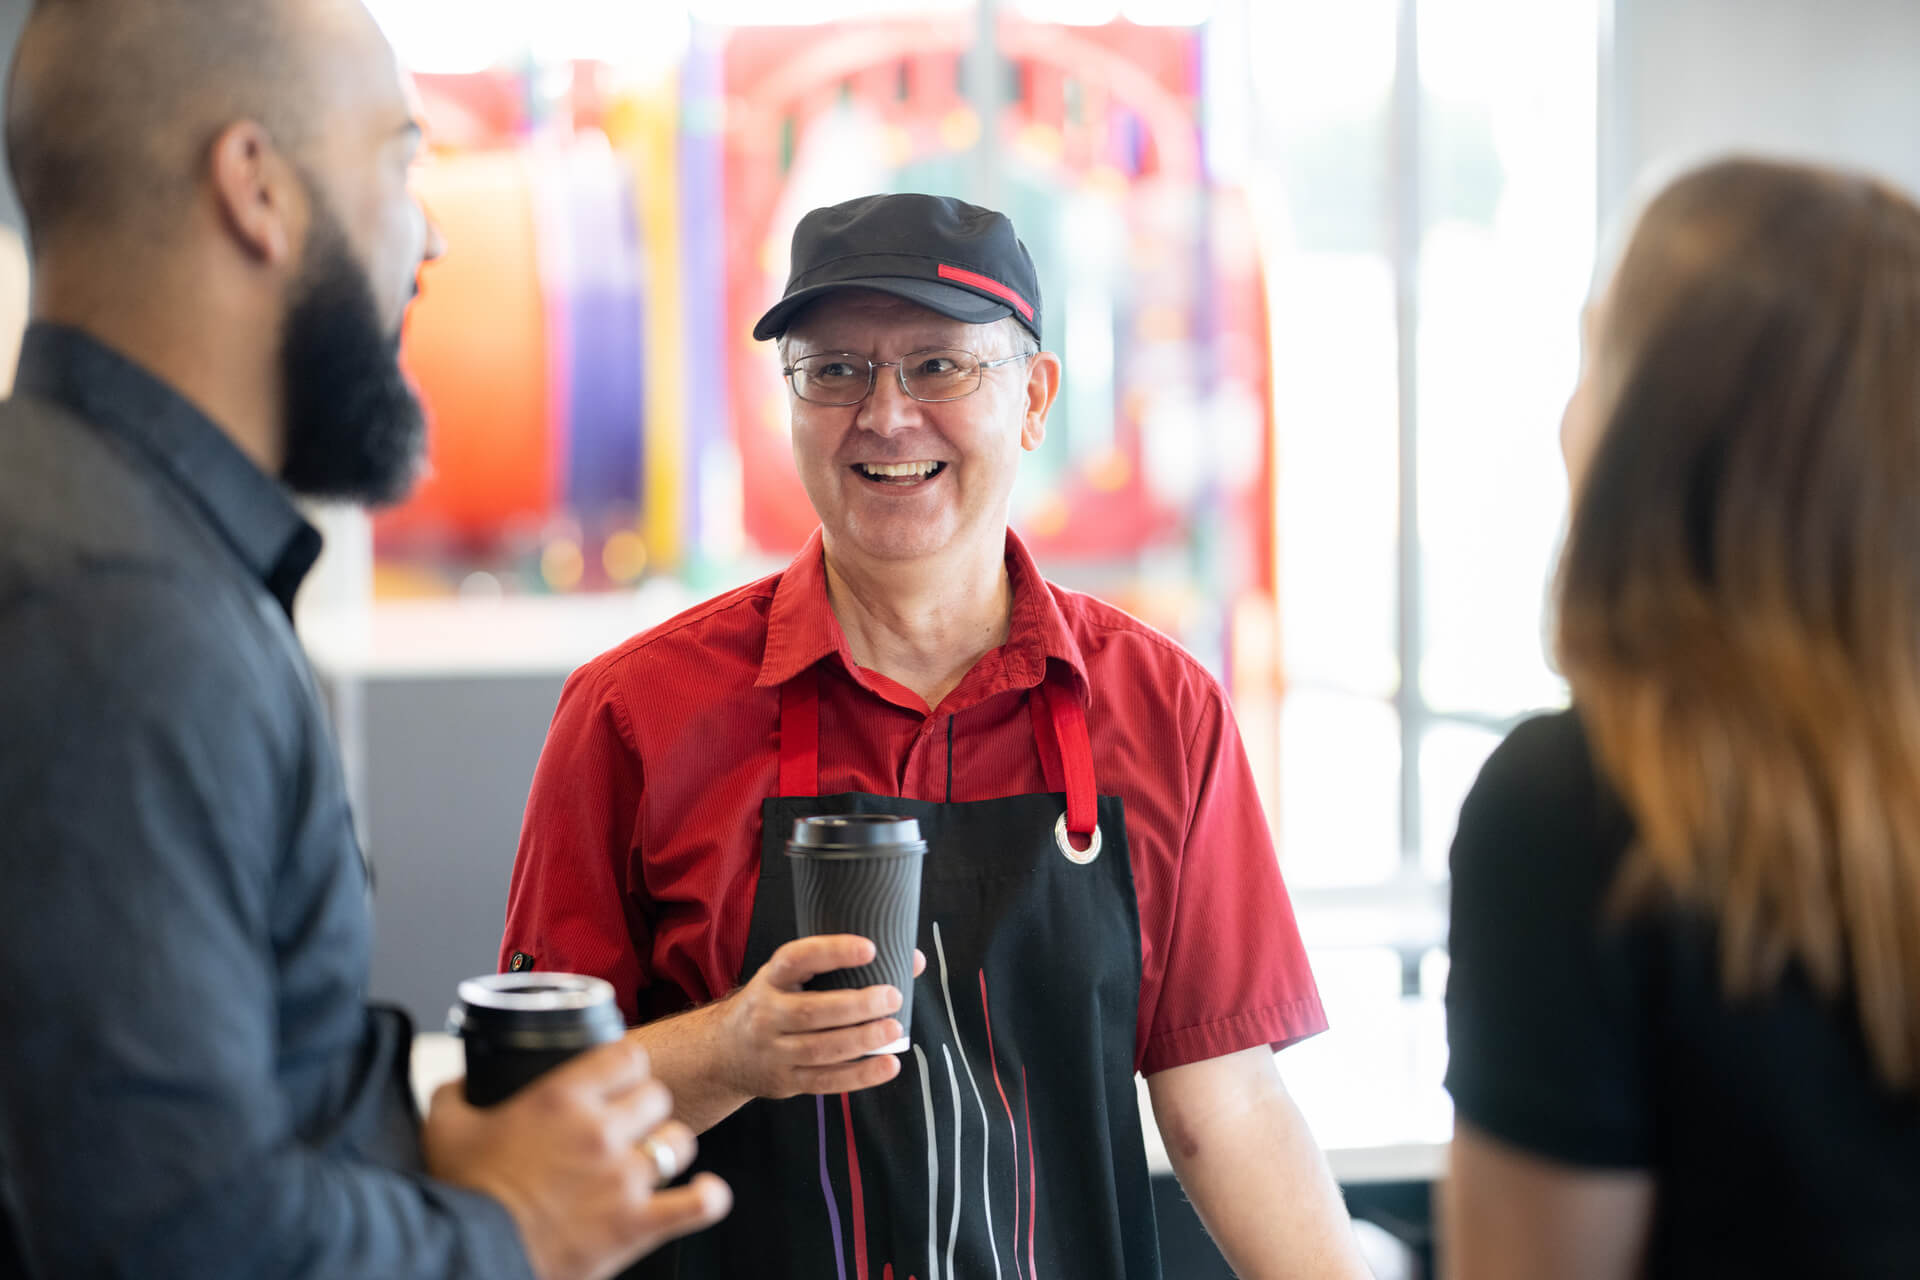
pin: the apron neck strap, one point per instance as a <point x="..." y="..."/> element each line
<point x="1059" y="731"/>
<point x="1066" y="752"/>
<point x="800" y="735"/>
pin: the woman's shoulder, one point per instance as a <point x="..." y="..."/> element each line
<point x="1544" y="754"/>
<point x="1541" y="804"/>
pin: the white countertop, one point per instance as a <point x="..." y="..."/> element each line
<point x="1370" y="1090"/>
<point x="498" y="636"/>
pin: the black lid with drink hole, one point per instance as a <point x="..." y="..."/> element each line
<point x="856" y="835"/>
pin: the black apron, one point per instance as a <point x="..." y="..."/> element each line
<point x="1009" y="1145"/>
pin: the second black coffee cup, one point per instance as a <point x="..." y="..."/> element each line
<point x="860" y="874"/>
<point x="517" y="1026"/>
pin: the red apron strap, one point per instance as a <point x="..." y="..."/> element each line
<point x="1047" y="739"/>
<point x="800" y="735"/>
<point x="1066" y="753"/>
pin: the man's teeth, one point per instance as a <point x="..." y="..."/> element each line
<point x="900" y="470"/>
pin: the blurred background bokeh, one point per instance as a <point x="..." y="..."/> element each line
<point x="1314" y="270"/>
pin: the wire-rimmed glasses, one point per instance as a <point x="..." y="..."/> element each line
<point x="843" y="378"/>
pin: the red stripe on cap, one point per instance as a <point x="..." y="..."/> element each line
<point x="993" y="287"/>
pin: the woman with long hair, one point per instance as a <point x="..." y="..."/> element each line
<point x="1684" y="1007"/>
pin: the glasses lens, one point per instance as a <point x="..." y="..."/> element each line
<point x="831" y="378"/>
<point x="940" y="375"/>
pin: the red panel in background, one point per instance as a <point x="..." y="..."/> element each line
<point x="1045" y="100"/>
<point x="933" y="84"/>
<point x="1246" y="363"/>
<point x="476" y="346"/>
<point x="1168" y="56"/>
<point x="474" y="112"/>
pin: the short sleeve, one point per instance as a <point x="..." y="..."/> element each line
<point x="569" y="908"/>
<point x="1234" y="974"/>
<point x="1546" y="1029"/>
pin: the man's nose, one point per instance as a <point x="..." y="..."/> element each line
<point x="436" y="245"/>
<point x="888" y="408"/>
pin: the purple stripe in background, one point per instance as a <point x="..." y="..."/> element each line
<point x="703" y="255"/>
<point x="826" y="1185"/>
<point x="605" y="362"/>
<point x="553" y="245"/>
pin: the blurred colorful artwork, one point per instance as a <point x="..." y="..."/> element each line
<point x="600" y="412"/>
<point x="1152" y="282"/>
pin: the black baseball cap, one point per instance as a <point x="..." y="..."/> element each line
<point x="945" y="254"/>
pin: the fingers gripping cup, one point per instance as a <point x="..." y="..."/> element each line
<point x="520" y="1025"/>
<point x="860" y="874"/>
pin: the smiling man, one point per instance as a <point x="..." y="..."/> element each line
<point x="1101" y="895"/>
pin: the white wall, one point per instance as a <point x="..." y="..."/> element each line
<point x="1837" y="80"/>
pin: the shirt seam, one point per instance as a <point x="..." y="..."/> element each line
<point x="674" y="626"/>
<point x="1188" y="809"/>
<point x="623" y="725"/>
<point x="1148" y="634"/>
<point x="1296" y="1015"/>
<point x="623" y="721"/>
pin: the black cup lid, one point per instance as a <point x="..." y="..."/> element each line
<point x="532" y="1010"/>
<point x="533" y="992"/>
<point x="844" y="832"/>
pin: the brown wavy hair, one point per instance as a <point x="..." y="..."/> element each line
<point x="1739" y="597"/>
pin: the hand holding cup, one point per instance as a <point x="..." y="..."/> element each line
<point x="782" y="1040"/>
<point x="577" y="1157"/>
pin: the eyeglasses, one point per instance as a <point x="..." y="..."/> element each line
<point x="840" y="377"/>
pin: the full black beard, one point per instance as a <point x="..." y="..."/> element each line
<point x="355" y="429"/>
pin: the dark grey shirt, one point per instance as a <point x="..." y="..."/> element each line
<point x="191" y="1083"/>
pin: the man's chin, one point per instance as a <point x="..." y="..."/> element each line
<point x="377" y="478"/>
<point x="897" y="541"/>
<point x="391" y="493"/>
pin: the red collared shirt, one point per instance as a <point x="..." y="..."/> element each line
<point x="640" y="854"/>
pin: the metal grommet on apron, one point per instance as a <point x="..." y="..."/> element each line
<point x="1009" y="1146"/>
<point x="1066" y="753"/>
<point x="1079" y="857"/>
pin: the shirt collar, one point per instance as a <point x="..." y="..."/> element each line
<point x="801" y="627"/>
<point x="249" y="509"/>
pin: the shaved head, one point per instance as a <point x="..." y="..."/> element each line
<point x="244" y="163"/>
<point x="113" y="104"/>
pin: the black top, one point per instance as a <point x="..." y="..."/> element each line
<point x="191" y="1083"/>
<point x="1610" y="1045"/>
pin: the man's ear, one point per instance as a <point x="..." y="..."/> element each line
<point x="1043" y="385"/>
<point x="261" y="200"/>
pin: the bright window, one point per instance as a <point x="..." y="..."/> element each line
<point x="1429" y="189"/>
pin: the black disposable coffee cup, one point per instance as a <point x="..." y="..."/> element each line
<point x="520" y="1025"/>
<point x="860" y="873"/>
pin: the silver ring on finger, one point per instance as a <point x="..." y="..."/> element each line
<point x="666" y="1161"/>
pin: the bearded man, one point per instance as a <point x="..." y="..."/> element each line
<point x="224" y="246"/>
